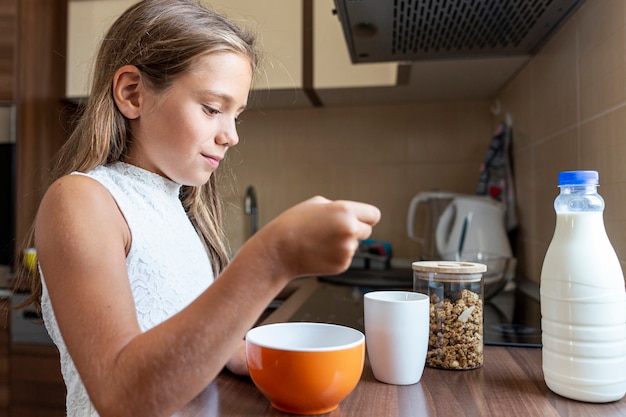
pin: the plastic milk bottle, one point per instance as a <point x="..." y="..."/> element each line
<point x="583" y="300"/>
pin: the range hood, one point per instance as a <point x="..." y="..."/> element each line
<point x="417" y="30"/>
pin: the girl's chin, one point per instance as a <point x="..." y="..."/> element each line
<point x="197" y="181"/>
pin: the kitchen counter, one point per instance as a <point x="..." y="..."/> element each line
<point x="509" y="384"/>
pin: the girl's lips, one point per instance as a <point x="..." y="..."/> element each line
<point x="214" y="161"/>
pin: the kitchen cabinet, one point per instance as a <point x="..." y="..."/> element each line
<point x="8" y="44"/>
<point x="280" y="38"/>
<point x="332" y="67"/>
<point x="29" y="376"/>
<point x="32" y="373"/>
<point x="4" y="356"/>
<point x="36" y="385"/>
<point x="40" y="87"/>
<point x="279" y="25"/>
<point x="87" y="21"/>
<point x="282" y="27"/>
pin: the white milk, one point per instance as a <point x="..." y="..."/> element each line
<point x="583" y="309"/>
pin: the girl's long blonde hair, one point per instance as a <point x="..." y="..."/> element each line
<point x="162" y="38"/>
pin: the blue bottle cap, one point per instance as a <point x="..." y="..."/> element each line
<point x="578" y="178"/>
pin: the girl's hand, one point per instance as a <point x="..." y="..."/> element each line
<point x="318" y="236"/>
<point x="238" y="363"/>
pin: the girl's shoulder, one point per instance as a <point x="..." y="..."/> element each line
<point x="76" y="185"/>
<point x="77" y="195"/>
<point x="90" y="186"/>
<point x="81" y="208"/>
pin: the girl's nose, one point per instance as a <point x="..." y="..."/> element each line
<point x="228" y="136"/>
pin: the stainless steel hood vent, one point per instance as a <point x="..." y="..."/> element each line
<point x="413" y="30"/>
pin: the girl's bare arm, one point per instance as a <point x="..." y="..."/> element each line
<point x="82" y="242"/>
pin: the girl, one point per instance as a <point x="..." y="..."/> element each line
<point x="129" y="235"/>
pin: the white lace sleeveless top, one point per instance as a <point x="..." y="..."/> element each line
<point x="167" y="264"/>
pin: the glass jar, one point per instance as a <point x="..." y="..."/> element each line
<point x="456" y="312"/>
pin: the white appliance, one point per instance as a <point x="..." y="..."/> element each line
<point x="449" y="225"/>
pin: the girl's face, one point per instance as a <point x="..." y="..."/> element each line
<point x="184" y="133"/>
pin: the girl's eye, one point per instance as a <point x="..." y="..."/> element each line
<point x="211" y="110"/>
<point x="237" y="120"/>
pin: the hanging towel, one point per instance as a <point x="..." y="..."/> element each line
<point x="496" y="178"/>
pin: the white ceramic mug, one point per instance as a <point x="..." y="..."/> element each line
<point x="396" y="335"/>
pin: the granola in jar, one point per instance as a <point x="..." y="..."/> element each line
<point x="456" y="312"/>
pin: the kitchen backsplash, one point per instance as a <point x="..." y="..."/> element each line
<point x="568" y="107"/>
<point x="379" y="154"/>
<point x="569" y="110"/>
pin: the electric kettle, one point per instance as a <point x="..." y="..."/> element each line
<point x="453" y="224"/>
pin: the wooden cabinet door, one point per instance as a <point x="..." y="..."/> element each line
<point x="8" y="43"/>
<point x="36" y="385"/>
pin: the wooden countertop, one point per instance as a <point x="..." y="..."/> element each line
<point x="510" y="383"/>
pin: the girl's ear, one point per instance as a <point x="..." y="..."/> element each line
<point x="128" y="90"/>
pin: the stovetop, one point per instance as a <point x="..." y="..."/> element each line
<point x="511" y="318"/>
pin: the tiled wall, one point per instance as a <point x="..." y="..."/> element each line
<point x="568" y="107"/>
<point x="569" y="110"/>
<point x="379" y="154"/>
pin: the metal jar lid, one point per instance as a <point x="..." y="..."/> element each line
<point x="449" y="267"/>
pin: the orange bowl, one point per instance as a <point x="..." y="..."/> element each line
<point x="305" y="368"/>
